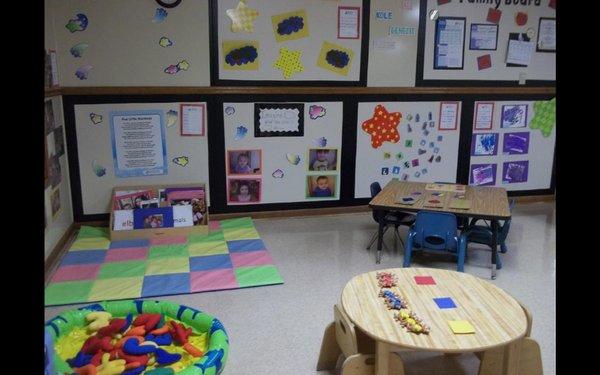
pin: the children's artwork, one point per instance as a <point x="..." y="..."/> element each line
<point x="278" y="120"/>
<point x="240" y="55"/>
<point x="79" y="23"/>
<point x="515" y="143"/>
<point x="165" y="42"/>
<point x="320" y="142"/>
<point x="241" y="162"/>
<point x="484" y="144"/>
<point x="181" y="161"/>
<point x="521" y="18"/>
<point x="95" y="118"/>
<point x="278" y="173"/>
<point x="289" y="62"/>
<point x="322" y="159"/>
<point x="77" y="50"/>
<point x="515" y="172"/>
<point x="151" y="218"/>
<point x="335" y="58"/>
<point x="385" y="171"/>
<point x="293" y="158"/>
<point x="172" y="117"/>
<point x="483" y="174"/>
<point x="544" y="116"/>
<point x="290" y="25"/>
<point x="494" y="15"/>
<point x="321" y="186"/>
<point x="514" y="116"/>
<point x="174" y="69"/>
<point x="160" y="15"/>
<point x="316" y="111"/>
<point x="55" y="202"/>
<point x="243" y="191"/>
<point x="242" y="17"/>
<point x="229" y="110"/>
<point x="83" y="72"/>
<point x="240" y="132"/>
<point x="382" y="126"/>
<point x="98" y="169"/>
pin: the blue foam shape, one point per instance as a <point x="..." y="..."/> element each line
<point x="445" y="303"/>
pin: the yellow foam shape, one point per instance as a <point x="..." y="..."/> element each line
<point x="68" y="346"/>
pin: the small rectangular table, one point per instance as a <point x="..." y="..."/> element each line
<point x="488" y="203"/>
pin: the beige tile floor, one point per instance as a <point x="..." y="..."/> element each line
<point x="278" y="329"/>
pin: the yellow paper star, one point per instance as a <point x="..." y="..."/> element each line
<point x="289" y="62"/>
<point x="242" y="18"/>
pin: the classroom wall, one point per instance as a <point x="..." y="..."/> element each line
<point x="123" y="43"/>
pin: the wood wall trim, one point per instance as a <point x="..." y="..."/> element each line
<point x="58" y="251"/>
<point x="48" y="93"/>
<point x="171" y="90"/>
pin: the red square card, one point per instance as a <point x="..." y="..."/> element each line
<point x="424" y="280"/>
<point x="484" y="62"/>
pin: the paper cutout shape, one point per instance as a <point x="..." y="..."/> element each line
<point x="77" y="50"/>
<point x="316" y="111"/>
<point x="431" y="158"/>
<point x="290" y="25"/>
<point x="396" y="170"/>
<point x="293" y="158"/>
<point x="494" y="15"/>
<point x="160" y="15"/>
<point x="409" y="128"/>
<point x="421" y="151"/>
<point x="417" y="118"/>
<point x="407" y="200"/>
<point x="320" y="142"/>
<point x="335" y="58"/>
<point x="172" y="117"/>
<point x="382" y="127"/>
<point x="181" y="161"/>
<point x="423" y="142"/>
<point x="83" y="72"/>
<point x="461" y="326"/>
<point x="407" y="164"/>
<point x="409" y="117"/>
<point x="544" y="116"/>
<point x="425" y="132"/>
<point x="98" y="169"/>
<point x="484" y="62"/>
<point x="436" y="150"/>
<point x="278" y="173"/>
<point x="438" y="159"/>
<point x="404" y="177"/>
<point x="440" y="138"/>
<point x="229" y="110"/>
<point x="431" y="144"/>
<point x="415" y="162"/>
<point x="242" y="18"/>
<point x="174" y="69"/>
<point x="399" y="156"/>
<point x="240" y="55"/>
<point x="424" y="280"/>
<point x="521" y="18"/>
<point x="387" y="155"/>
<point x="96" y="118"/>
<point x="165" y="42"/>
<point x="417" y="174"/>
<point x="240" y="132"/>
<point x="408" y="143"/>
<point x="552" y="4"/>
<point x="79" y="23"/>
<point x="424" y="171"/>
<point x="385" y="171"/>
<point x="514" y="116"/>
<point x="289" y="62"/>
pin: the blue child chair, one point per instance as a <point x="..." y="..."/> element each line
<point x="435" y="231"/>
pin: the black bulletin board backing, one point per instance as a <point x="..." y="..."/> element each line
<point x="216" y="141"/>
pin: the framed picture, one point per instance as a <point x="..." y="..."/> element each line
<point x="546" y="41"/>
<point x="515" y="172"/>
<point x="515" y="143"/>
<point x="484" y="37"/>
<point x="55" y="202"/>
<point x="244" y="162"/>
<point x="448" y="116"/>
<point x="321" y="186"/>
<point x="278" y="119"/>
<point x="348" y="26"/>
<point x="244" y="190"/>
<point x="322" y="159"/>
<point x="514" y="116"/>
<point x="192" y="119"/>
<point x="449" y="46"/>
<point x="483" y="174"/>
<point x="484" y="115"/>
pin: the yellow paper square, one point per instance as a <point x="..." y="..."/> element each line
<point x="167" y="265"/>
<point x="207" y="248"/>
<point x="461" y="326"/>
<point x="230" y="45"/>
<point x="240" y="234"/>
<point x="322" y="59"/>
<point x="98" y="243"/>
<point x="278" y="18"/>
<point x="125" y="287"/>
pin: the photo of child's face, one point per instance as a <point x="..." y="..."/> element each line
<point x="244" y="162"/>
<point x="323" y="183"/>
<point x="322" y="160"/>
<point x="322" y="155"/>
<point x="244" y="191"/>
<point x="321" y="186"/>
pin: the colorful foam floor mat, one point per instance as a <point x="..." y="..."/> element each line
<point x="230" y="256"/>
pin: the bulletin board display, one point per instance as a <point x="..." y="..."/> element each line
<point x="133" y="144"/>
<point x="469" y="41"/>
<point x="280" y="152"/>
<point x="512" y="145"/>
<point x="410" y="141"/>
<point x="278" y="41"/>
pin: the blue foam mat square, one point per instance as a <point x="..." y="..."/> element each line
<point x="245" y="245"/>
<point x="210" y="262"/>
<point x="174" y="283"/>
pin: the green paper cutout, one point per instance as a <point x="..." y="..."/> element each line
<point x="259" y="275"/>
<point x="168" y="251"/>
<point x="544" y="117"/>
<point x="122" y="269"/>
<point x="67" y="292"/>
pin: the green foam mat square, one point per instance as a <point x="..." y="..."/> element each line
<point x="242" y="222"/>
<point x="67" y="292"/>
<point x="257" y="275"/>
<point x="91" y="232"/>
<point x="210" y="237"/>
<point x="168" y="251"/>
<point x="122" y="269"/>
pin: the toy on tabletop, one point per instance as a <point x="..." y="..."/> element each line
<point x="411" y="322"/>
<point x="392" y="300"/>
<point x="386" y="279"/>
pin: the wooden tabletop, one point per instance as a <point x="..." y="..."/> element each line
<point x="486" y="202"/>
<point x="497" y="318"/>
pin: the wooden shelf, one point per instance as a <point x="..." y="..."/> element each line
<point x="166" y="90"/>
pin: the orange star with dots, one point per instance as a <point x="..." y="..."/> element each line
<point x="382" y="126"/>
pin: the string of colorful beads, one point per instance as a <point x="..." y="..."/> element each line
<point x="386" y="279"/>
<point x="411" y="322"/>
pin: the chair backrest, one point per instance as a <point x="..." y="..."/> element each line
<point x="436" y="230"/>
<point x="375" y="189"/>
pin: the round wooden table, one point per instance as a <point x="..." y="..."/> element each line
<point x="497" y="318"/>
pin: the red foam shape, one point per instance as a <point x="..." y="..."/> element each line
<point x="494" y="15"/>
<point x="149" y="321"/>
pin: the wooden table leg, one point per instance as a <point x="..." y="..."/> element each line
<point x="494" y="247"/>
<point x="512" y="354"/>
<point x="382" y="358"/>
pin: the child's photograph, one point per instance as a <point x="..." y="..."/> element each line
<point x="321" y="186"/>
<point x="244" y="162"/>
<point x="322" y="159"/>
<point x="243" y="191"/>
<point x="153" y="221"/>
<point x="126" y="203"/>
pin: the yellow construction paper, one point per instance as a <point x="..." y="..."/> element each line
<point x="302" y="33"/>
<point x="461" y="326"/>
<point x="289" y="62"/>
<point x="460" y="204"/>
<point x="322" y="62"/>
<point x="242" y="17"/>
<point x="230" y="45"/>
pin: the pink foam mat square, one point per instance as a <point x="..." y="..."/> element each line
<point x="75" y="272"/>
<point x="214" y="225"/>
<point x="202" y="281"/>
<point x="126" y="253"/>
<point x="168" y="240"/>
<point x="251" y="258"/>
